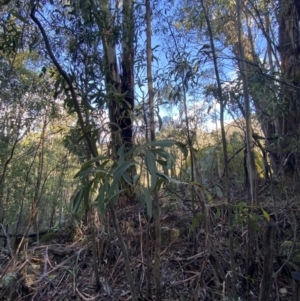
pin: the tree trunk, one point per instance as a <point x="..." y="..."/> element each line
<point x="127" y="77"/>
<point x="119" y="83"/>
<point x="288" y="123"/>
<point x="157" y="261"/>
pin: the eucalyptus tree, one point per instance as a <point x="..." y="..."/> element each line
<point x="151" y="94"/>
<point x="23" y="103"/>
<point x="270" y="41"/>
<point x="27" y="107"/>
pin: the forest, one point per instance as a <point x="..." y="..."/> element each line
<point x="149" y="150"/>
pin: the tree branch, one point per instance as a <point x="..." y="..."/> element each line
<point x="66" y="78"/>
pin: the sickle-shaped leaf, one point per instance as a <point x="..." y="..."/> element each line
<point x="127" y="178"/>
<point x="266" y="215"/>
<point x="90" y="170"/>
<point x="140" y="196"/>
<point x="86" y="194"/>
<point x="113" y="198"/>
<point x="167" y="178"/>
<point x="118" y="173"/>
<point x="183" y="149"/>
<point x="162" y="153"/>
<point x="162" y="162"/>
<point x="83" y="172"/>
<point x="121" y="155"/>
<point x="90" y="162"/>
<point x="151" y="166"/>
<point x="77" y="200"/>
<point x="136" y="178"/>
<point x="162" y="143"/>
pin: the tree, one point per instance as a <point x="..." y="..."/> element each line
<point x="119" y="80"/>
<point x="287" y="125"/>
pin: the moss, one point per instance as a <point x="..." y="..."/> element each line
<point x="48" y="236"/>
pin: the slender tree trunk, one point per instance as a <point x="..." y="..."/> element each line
<point x="244" y="73"/>
<point x="225" y="154"/>
<point x="2" y="180"/>
<point x="90" y="219"/>
<point x="157" y="263"/>
<point x="25" y="188"/>
<point x="251" y="247"/>
<point x="124" y="252"/>
<point x="36" y="198"/>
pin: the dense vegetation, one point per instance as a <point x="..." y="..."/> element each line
<point x="150" y="149"/>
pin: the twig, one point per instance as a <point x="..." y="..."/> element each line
<point x="46" y="259"/>
<point x="85" y="298"/>
<point x="185" y="280"/>
<point x="8" y="242"/>
<point x="142" y="255"/>
<point x="192" y="257"/>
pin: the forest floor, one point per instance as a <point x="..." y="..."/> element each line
<point x="195" y="263"/>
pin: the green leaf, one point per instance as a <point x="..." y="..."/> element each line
<point x="144" y="196"/>
<point x="91" y="161"/>
<point x="118" y="173"/>
<point x="127" y="178"/>
<point x="266" y="215"/>
<point x="160" y="181"/>
<point x="162" y="162"/>
<point x="151" y="166"/>
<point x="77" y="200"/>
<point x="121" y="155"/>
<point x="86" y="194"/>
<point x="89" y="171"/>
<point x="122" y="168"/>
<point x="140" y="196"/>
<point x="83" y="172"/>
<point x="253" y="223"/>
<point x="167" y="178"/>
<point x="218" y="213"/>
<point x="136" y="178"/>
<point x="164" y="154"/>
<point x="161" y="152"/>
<point x="128" y="155"/>
<point x="113" y="198"/>
<point x="196" y="221"/>
<point x="162" y="143"/>
<point x="208" y="195"/>
<point x="183" y="149"/>
<point x="219" y="191"/>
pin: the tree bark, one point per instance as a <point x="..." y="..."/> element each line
<point x="157" y="263"/>
<point x="268" y="245"/>
<point x="119" y="83"/>
<point x="127" y="77"/>
<point x="288" y="124"/>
